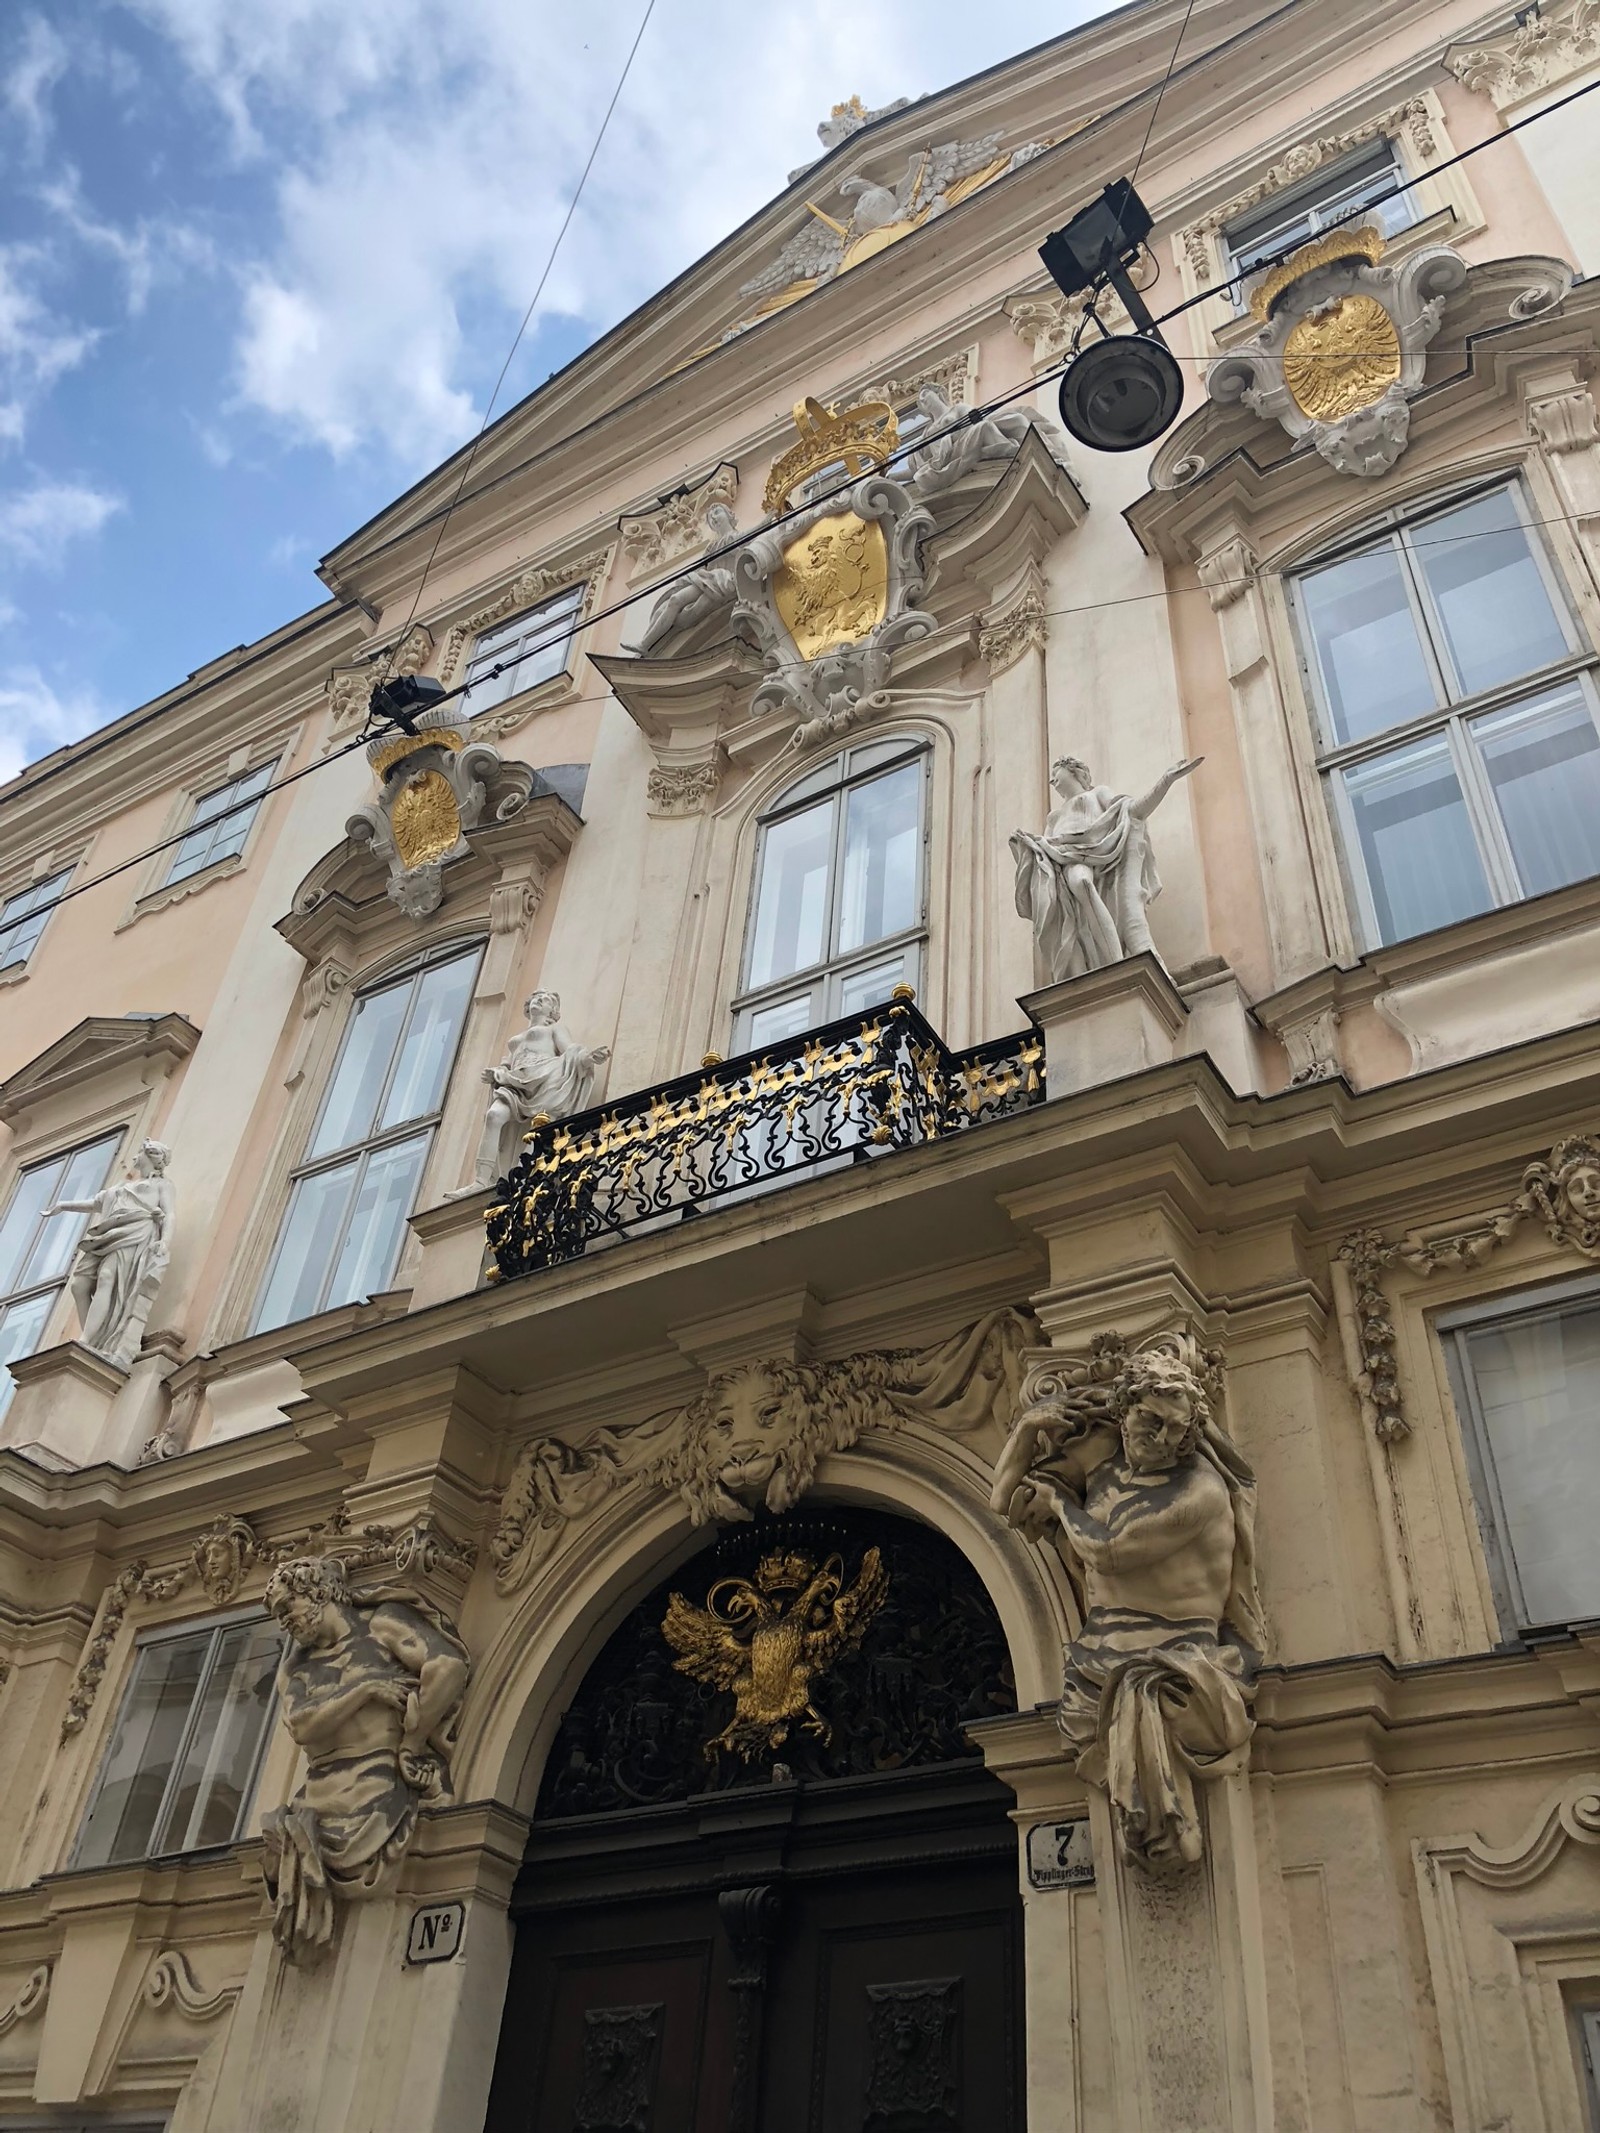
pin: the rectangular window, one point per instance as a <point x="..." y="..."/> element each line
<point x="36" y="1247"/>
<point x="181" y="1768"/>
<point x="348" y="1205"/>
<point x="529" y="648"/>
<point x="23" y="917"/>
<point x="1528" y="1384"/>
<point x="1341" y="192"/>
<point x="220" y="825"/>
<point x="838" y="895"/>
<point x="1458" y="709"/>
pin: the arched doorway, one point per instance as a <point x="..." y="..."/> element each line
<point x="770" y="1887"/>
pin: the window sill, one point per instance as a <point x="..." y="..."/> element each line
<point x="511" y="712"/>
<point x="14" y="973"/>
<point x="174" y="892"/>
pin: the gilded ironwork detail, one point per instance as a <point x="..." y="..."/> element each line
<point x="840" y="1093"/>
<point x="833" y="587"/>
<point x="767" y="1637"/>
<point x="1341" y="358"/>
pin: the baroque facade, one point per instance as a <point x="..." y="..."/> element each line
<point x="835" y="1365"/>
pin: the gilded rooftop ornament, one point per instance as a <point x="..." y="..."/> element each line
<point x="766" y="1638"/>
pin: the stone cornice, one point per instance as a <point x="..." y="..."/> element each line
<point x="97" y="1046"/>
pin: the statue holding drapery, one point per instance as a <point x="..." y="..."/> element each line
<point x="121" y="1255"/>
<point x="1085" y="880"/>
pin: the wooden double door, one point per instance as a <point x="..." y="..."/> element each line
<point x="838" y="1958"/>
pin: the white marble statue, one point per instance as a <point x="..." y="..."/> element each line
<point x="1085" y="880"/>
<point x="121" y="1255"/>
<point x="951" y="446"/>
<point x="543" y="1071"/>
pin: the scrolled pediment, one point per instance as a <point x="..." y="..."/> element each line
<point x="100" y="1048"/>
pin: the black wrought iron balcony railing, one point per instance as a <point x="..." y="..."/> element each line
<point x="848" y="1092"/>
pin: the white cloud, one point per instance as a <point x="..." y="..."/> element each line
<point x="32" y="71"/>
<point x="36" y="347"/>
<point x="38" y="523"/>
<point x="148" y="251"/>
<point x="427" y="155"/>
<point x="35" y="717"/>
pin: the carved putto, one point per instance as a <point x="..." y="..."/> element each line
<point x="1086" y="878"/>
<point x="435" y="785"/>
<point x="757" y="1434"/>
<point x="544" y="1071"/>
<point x="1342" y="346"/>
<point x="1120" y="1458"/>
<point x="369" y="1690"/>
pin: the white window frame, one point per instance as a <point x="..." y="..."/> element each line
<point x="498" y="641"/>
<point x="57" y="878"/>
<point x="1452" y="714"/>
<point x="1452" y="1328"/>
<point x="834" y="968"/>
<point x="246" y="814"/>
<point x="1316" y="204"/>
<point x="362" y="1151"/>
<point x="215" y="1627"/>
<point x="55" y="1287"/>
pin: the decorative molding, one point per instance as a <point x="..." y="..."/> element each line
<point x="1543" y="48"/>
<point x="1377" y="1383"/>
<point x="683" y="788"/>
<point x="97" y="1047"/>
<point x="514" y="904"/>
<point x="539" y="582"/>
<point x="953" y="376"/>
<point x="131" y="1582"/>
<point x="675" y="526"/>
<point x="29" y="2001"/>
<point x="1312" y="1044"/>
<point x="1004" y="637"/>
<point x="1413" y="119"/>
<point x="1047" y="323"/>
<point x="755" y="1436"/>
<point x="170" y="1981"/>
<point x="1561" y="1191"/>
<point x="1565" y="421"/>
<point x="435" y="784"/>
<point x="1228" y="572"/>
<point x="322" y="984"/>
<point x="349" y="686"/>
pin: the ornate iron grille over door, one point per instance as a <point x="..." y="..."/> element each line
<point x="770" y="1887"/>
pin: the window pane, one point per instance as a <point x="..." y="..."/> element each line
<point x="220" y="1760"/>
<point x="869" y="988"/>
<point x="23" y="917"/>
<point x="1365" y="637"/>
<point x="377" y="1222"/>
<point x="191" y="855"/>
<point x="882" y="829"/>
<point x="787" y="1018"/>
<point x="82" y="1175"/>
<point x="21" y="1330"/>
<point x="363" y="1067"/>
<point x="311" y="1231"/>
<point x="1538" y="1383"/>
<point x="429" y="1043"/>
<point x="35" y="1189"/>
<point x="143" y="1748"/>
<point x="540" y="664"/>
<point x="1543" y="760"/>
<point x="1411" y="823"/>
<point x="792" y="906"/>
<point x="814" y="781"/>
<point x="1493" y="607"/>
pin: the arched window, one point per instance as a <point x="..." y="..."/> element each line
<point x="1458" y="711"/>
<point x="356" y="1186"/>
<point x="838" y="906"/>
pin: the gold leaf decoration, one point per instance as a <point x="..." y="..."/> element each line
<point x="1342" y="358"/>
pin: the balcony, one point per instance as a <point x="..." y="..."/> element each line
<point x="850" y="1092"/>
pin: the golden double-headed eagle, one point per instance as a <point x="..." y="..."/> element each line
<point x="769" y="1637"/>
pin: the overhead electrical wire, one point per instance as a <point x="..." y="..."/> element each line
<point x="654" y="590"/>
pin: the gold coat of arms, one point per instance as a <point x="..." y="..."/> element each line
<point x="833" y="586"/>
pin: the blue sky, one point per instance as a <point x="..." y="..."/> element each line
<point x="260" y="262"/>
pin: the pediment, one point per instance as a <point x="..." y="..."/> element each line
<point x="100" y="1048"/>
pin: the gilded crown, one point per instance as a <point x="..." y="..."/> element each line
<point x="1365" y="243"/>
<point x="784" y="1573"/>
<point x="860" y="437"/>
<point x="439" y="728"/>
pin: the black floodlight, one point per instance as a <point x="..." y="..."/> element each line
<point x="1124" y="389"/>
<point x="399" y="699"/>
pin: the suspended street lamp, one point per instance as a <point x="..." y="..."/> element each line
<point x="1123" y="390"/>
